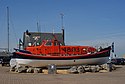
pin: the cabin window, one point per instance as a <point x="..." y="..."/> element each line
<point x="29" y="44"/>
<point x="48" y="43"/>
<point x="56" y="43"/>
<point x="37" y="44"/>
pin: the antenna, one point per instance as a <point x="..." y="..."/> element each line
<point x="62" y="15"/>
<point x="8" y="26"/>
<point x="53" y="31"/>
<point x="38" y="27"/>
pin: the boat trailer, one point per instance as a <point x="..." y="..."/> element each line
<point x="52" y="69"/>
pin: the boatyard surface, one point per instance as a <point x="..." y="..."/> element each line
<point x="114" y="77"/>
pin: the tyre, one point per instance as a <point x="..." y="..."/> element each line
<point x="80" y="69"/>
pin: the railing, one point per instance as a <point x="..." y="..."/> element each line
<point x="101" y="46"/>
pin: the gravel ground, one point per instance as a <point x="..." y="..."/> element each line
<point x="114" y="77"/>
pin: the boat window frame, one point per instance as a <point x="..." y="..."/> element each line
<point x="48" y="42"/>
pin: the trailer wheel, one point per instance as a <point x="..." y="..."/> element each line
<point x="109" y="67"/>
<point x="81" y="69"/>
<point x="73" y="69"/>
<point x="94" y="69"/>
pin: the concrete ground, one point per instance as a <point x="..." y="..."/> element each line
<point x="115" y="77"/>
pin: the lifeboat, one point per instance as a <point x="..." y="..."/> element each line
<point x="53" y="52"/>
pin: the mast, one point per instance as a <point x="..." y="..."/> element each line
<point x="63" y="33"/>
<point x="8" y="28"/>
<point x="62" y="20"/>
<point x="38" y="28"/>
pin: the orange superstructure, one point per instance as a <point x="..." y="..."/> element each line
<point x="54" y="47"/>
